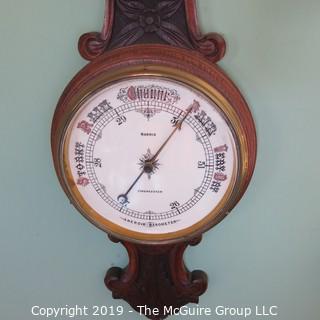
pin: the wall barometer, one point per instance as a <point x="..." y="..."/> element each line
<point x="153" y="144"/>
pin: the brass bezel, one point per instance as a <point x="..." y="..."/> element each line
<point x="153" y="70"/>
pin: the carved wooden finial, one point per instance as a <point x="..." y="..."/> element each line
<point x="171" y="22"/>
<point x="156" y="277"/>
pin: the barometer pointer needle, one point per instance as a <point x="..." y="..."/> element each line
<point x="123" y="198"/>
<point x="177" y="127"/>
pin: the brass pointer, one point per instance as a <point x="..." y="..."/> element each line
<point x="177" y="126"/>
<point x="148" y="165"/>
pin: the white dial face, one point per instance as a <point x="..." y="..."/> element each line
<point x="151" y="155"/>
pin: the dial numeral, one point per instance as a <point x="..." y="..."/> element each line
<point x="174" y="205"/>
<point x="201" y="164"/>
<point x="97" y="162"/>
<point x="120" y="120"/>
<point x="174" y="120"/>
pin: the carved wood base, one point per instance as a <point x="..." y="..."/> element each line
<point x="156" y="276"/>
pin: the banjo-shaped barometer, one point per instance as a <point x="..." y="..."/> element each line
<point x="153" y="144"/>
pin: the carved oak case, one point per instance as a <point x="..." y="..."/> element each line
<point x="153" y="45"/>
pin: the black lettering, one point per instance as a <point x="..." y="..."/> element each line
<point x="120" y="120"/>
<point x="174" y="205"/>
<point x="201" y="164"/>
<point x="97" y="162"/>
<point x="206" y="122"/>
<point x="215" y="186"/>
<point x="98" y="111"/>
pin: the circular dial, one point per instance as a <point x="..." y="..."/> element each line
<point x="150" y="156"/>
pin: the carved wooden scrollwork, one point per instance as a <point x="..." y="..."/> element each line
<point x="172" y="22"/>
<point x="156" y="276"/>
